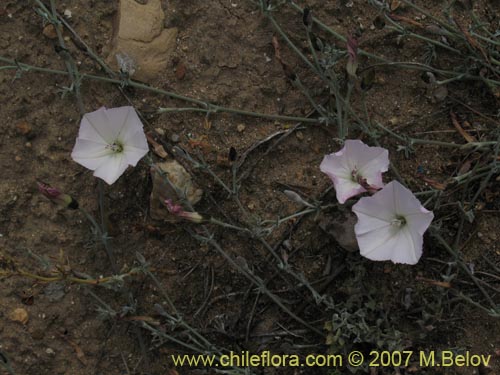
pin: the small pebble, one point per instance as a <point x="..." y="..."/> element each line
<point x="240" y="128"/>
<point x="160" y="131"/>
<point x="67" y="13"/>
<point x="174" y="138"/>
<point x="19" y="315"/>
<point x="23" y="128"/>
<point x="50" y="351"/>
<point x="18" y="158"/>
<point x="299" y="135"/>
<point x="50" y="31"/>
<point x="28" y="144"/>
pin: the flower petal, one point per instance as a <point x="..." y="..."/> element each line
<point x="421" y="221"/>
<point x="340" y="173"/>
<point x="356" y="158"/>
<point x="90" y="154"/>
<point x="335" y="167"/>
<point x="381" y="207"/>
<point x="137" y="140"/>
<point x="396" y="245"/>
<point x="132" y="124"/>
<point x="346" y="189"/>
<point x="95" y="126"/>
<point x="378" y="235"/>
<point x="134" y="154"/>
<point x="112" y="168"/>
<point x="120" y="122"/>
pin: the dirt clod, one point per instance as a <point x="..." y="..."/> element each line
<point x="50" y="31"/>
<point x="19" y="315"/>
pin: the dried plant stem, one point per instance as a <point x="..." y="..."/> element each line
<point x="72" y="279"/>
<point x="463" y="266"/>
<point x="257" y="281"/>
<point x="53" y="18"/>
<point x="205" y="106"/>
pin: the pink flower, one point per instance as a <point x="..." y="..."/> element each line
<point x="109" y="141"/>
<point x="356" y="169"/>
<point x="391" y="225"/>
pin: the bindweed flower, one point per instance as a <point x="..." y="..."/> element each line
<point x="109" y="141"/>
<point x="177" y="210"/>
<point x="56" y="196"/>
<point x="391" y="225"/>
<point x="356" y="169"/>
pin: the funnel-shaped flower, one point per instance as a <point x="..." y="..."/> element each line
<point x="109" y="141"/>
<point x="391" y="225"/>
<point x="356" y="168"/>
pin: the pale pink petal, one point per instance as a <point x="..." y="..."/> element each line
<point x="112" y="168"/>
<point x="335" y="167"/>
<point x="378" y="235"/>
<point x="137" y="140"/>
<point x="90" y="154"/>
<point x="355" y="161"/>
<point x="381" y="208"/>
<point x="118" y="120"/>
<point x="133" y="126"/>
<point x="373" y="168"/>
<point x="133" y="154"/>
<point x="109" y="140"/>
<point x="340" y="173"/>
<point x="377" y="244"/>
<point x="346" y="189"/>
<point x="95" y="126"/>
<point x="420" y="222"/>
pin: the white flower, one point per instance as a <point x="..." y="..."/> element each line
<point x="391" y="225"/>
<point x="356" y="168"/>
<point x="109" y="141"/>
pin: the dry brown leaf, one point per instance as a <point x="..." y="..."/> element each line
<point x="157" y="148"/>
<point x="395" y="5"/>
<point x="407" y="20"/>
<point x="443" y="284"/>
<point x="433" y="183"/>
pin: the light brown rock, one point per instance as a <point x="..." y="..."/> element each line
<point x="162" y="190"/>
<point x="140" y="35"/>
<point x="19" y="315"/>
<point x="50" y="31"/>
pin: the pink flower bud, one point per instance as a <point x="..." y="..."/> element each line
<point x="177" y="210"/>
<point x="56" y="196"/>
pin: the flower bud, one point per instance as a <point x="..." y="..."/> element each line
<point x="56" y="196"/>
<point x="177" y="210"/>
